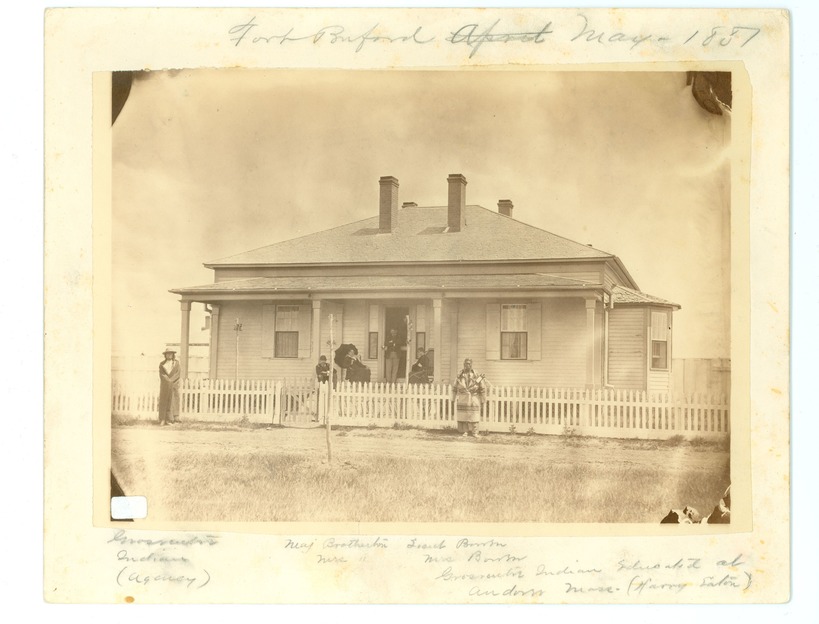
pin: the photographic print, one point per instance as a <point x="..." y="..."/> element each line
<point x="417" y="306"/>
<point x="422" y="296"/>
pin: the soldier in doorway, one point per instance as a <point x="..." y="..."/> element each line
<point x="393" y="349"/>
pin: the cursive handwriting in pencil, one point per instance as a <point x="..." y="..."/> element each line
<point x="249" y="33"/>
<point x="474" y="36"/>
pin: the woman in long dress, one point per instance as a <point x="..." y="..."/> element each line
<point x="470" y="394"/>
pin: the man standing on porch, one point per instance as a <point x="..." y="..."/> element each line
<point x="169" y="373"/>
<point x="392" y="351"/>
<point x="470" y="393"/>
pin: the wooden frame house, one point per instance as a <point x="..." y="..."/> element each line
<point x="528" y="306"/>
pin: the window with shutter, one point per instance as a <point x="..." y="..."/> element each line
<point x="513" y="331"/>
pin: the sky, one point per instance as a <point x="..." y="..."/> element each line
<point x="211" y="163"/>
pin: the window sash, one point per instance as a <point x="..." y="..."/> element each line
<point x="513" y="317"/>
<point x="514" y="345"/>
<point x="287" y="344"/>
<point x="659" y="354"/>
<point x="287" y="318"/>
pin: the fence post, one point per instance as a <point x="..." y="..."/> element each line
<point x="183" y="397"/>
<point x="277" y="397"/>
<point x="583" y="416"/>
<point x="269" y="385"/>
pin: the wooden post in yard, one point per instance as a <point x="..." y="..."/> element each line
<point x="330" y="392"/>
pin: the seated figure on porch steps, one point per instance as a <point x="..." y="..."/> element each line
<point x="470" y="394"/>
<point x="355" y="369"/>
<point x="421" y="371"/>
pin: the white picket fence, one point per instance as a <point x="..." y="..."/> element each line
<point x="520" y="409"/>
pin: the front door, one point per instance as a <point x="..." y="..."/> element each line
<point x="395" y="318"/>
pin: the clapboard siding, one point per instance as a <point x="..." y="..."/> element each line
<point x="658" y="381"/>
<point x="355" y="325"/>
<point x="253" y="364"/>
<point x="563" y="346"/>
<point x="627" y="348"/>
<point x="565" y="341"/>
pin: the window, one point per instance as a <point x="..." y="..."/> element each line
<point x="421" y="340"/>
<point x="372" y="350"/>
<point x="513" y="336"/>
<point x="513" y="331"/>
<point x="287" y="332"/>
<point x="660" y="331"/>
<point x="659" y="354"/>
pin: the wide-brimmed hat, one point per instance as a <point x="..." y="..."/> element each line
<point x="168" y="351"/>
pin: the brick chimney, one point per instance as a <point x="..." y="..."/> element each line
<point x="505" y="207"/>
<point x="388" y="204"/>
<point x="456" y="206"/>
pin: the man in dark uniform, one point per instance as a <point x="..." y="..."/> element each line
<point x="392" y="351"/>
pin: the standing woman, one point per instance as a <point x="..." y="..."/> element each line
<point x="169" y="374"/>
<point x="470" y="393"/>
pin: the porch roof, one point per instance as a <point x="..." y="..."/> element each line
<point x="629" y="295"/>
<point x="409" y="283"/>
<point x="445" y="283"/>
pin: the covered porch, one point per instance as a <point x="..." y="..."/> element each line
<point x="519" y="329"/>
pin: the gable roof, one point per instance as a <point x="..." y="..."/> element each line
<point x="420" y="236"/>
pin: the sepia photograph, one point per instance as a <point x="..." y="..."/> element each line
<point x="418" y="306"/>
<point x="422" y="296"/>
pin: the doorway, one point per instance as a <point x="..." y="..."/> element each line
<point x="395" y="318"/>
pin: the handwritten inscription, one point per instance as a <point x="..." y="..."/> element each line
<point x="128" y="575"/>
<point x="356" y="543"/>
<point x="491" y="568"/>
<point x="164" y="562"/>
<point x="120" y="537"/>
<point x="589" y="34"/>
<point x="477" y="36"/>
<point x="249" y="33"/>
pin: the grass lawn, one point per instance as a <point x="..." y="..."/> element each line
<point x="216" y="472"/>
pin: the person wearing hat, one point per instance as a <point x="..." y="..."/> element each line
<point x="169" y="373"/>
<point x="470" y="394"/>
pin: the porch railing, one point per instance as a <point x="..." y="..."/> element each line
<point x="520" y="409"/>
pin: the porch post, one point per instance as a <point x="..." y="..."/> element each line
<point x="591" y="307"/>
<point x="214" y="340"/>
<point x="183" y="343"/>
<point x="454" y="354"/>
<point x="316" y="335"/>
<point x="436" y="339"/>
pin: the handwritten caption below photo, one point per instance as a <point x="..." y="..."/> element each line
<point x="462" y="569"/>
